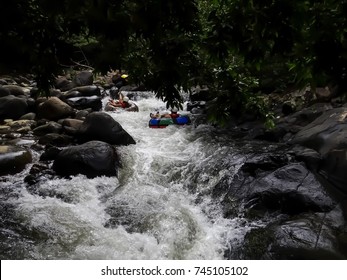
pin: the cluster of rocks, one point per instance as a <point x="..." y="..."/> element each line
<point x="295" y="179"/>
<point x="299" y="217"/>
<point x="66" y="128"/>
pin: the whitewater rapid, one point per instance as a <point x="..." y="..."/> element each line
<point x="157" y="208"/>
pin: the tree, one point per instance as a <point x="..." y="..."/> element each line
<point x="238" y="49"/>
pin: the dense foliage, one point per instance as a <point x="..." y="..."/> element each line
<point x="239" y="49"/>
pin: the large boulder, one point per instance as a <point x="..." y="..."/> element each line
<point x="328" y="135"/>
<point x="101" y="126"/>
<point x="292" y="189"/>
<point x="13" y="159"/>
<point x="12" y="107"/>
<point x="83" y="78"/>
<point x="84" y="97"/>
<point x="309" y="236"/>
<point x="54" y="109"/>
<point x="94" y="158"/>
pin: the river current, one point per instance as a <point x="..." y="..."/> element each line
<point x="159" y="207"/>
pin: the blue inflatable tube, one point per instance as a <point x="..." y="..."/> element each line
<point x="164" y="122"/>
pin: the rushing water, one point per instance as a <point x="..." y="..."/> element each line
<point x="159" y="207"/>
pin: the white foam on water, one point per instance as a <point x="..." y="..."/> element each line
<point x="149" y="212"/>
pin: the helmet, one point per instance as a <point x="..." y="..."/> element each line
<point x="126" y="99"/>
<point x="174" y="110"/>
<point x="124" y="76"/>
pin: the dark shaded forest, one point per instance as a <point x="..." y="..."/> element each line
<point x="240" y="50"/>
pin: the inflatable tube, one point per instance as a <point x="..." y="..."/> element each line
<point x="164" y="122"/>
<point x="133" y="108"/>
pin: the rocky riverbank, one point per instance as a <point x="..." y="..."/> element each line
<point x="292" y="177"/>
<point x="71" y="119"/>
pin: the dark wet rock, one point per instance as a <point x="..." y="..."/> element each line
<point x="55" y="139"/>
<point x="72" y="93"/>
<point x="50" y="153"/>
<point x="94" y="158"/>
<point x="275" y="134"/>
<point x="84" y="102"/>
<point x="64" y="84"/>
<point x="83" y="91"/>
<point x="264" y="162"/>
<point x="4" y="91"/>
<point x="101" y="126"/>
<point x="54" y="109"/>
<point x="16" y="90"/>
<point x="12" y="107"/>
<point x="83" y="78"/>
<point x="13" y="159"/>
<point x="291" y="189"/>
<point x="53" y="92"/>
<point x="73" y="123"/>
<point x="71" y="131"/>
<point x="333" y="168"/>
<point x="310" y="157"/>
<point x="39" y="172"/>
<point x="71" y="126"/>
<point x="306" y="236"/>
<point x="84" y="97"/>
<point x="81" y="114"/>
<point x="255" y="165"/>
<point x="328" y="135"/>
<point x="291" y="124"/>
<point x="325" y="132"/>
<point x="50" y="127"/>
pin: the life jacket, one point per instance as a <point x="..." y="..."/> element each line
<point x="125" y="104"/>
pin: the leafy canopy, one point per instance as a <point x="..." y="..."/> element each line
<point x="238" y="49"/>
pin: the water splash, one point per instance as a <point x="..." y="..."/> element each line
<point x="151" y="211"/>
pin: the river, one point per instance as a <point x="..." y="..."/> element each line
<point x="159" y="207"/>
